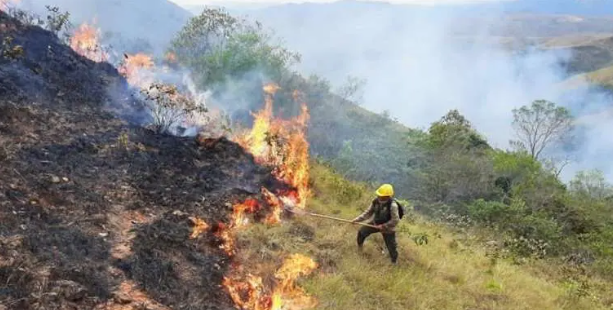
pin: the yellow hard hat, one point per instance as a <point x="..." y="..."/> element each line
<point x="386" y="190"/>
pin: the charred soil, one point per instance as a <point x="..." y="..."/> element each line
<point x="97" y="212"/>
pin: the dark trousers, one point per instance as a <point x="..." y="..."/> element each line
<point x="389" y="237"/>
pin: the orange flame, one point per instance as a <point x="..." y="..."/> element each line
<point x="281" y="144"/>
<point x="287" y="295"/>
<point x="200" y="227"/>
<point x="85" y="43"/>
<point x="238" y="219"/>
<point x="249" y="293"/>
<point x="132" y="69"/>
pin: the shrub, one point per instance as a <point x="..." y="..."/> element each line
<point x="168" y="107"/>
<point x="57" y="21"/>
<point x="11" y="51"/>
<point x="493" y="213"/>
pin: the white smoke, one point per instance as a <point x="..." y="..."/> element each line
<point x="421" y="62"/>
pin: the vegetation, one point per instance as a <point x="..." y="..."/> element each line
<point x="55" y="21"/>
<point x="512" y="200"/>
<point x="220" y="47"/>
<point x="450" y="271"/>
<point x="352" y="90"/>
<point x="11" y="51"/>
<point x="492" y="226"/>
<point x="541" y="126"/>
<point x="168" y="107"/>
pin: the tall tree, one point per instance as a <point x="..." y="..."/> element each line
<point x="218" y="46"/>
<point x="540" y="125"/>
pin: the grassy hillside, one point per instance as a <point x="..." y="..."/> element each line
<point x="451" y="271"/>
<point x="588" y="52"/>
<point x="82" y="191"/>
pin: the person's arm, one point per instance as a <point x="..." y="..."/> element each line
<point x="366" y="214"/>
<point x="395" y="217"/>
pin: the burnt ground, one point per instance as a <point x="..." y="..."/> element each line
<point x="94" y="210"/>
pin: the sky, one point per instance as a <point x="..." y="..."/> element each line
<point x="204" y="2"/>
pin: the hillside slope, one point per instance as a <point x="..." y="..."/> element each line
<point x="100" y="214"/>
<point x="451" y="270"/>
<point x="97" y="213"/>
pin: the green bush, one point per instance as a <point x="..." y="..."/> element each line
<point x="493" y="213"/>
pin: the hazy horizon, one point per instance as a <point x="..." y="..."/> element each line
<point x="185" y="3"/>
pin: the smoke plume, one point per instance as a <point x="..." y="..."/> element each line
<point x="420" y="62"/>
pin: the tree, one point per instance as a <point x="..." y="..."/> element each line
<point x="539" y="126"/>
<point x="591" y="184"/>
<point x="220" y="47"/>
<point x="352" y="89"/>
<point x="454" y="129"/>
<point x="457" y="167"/>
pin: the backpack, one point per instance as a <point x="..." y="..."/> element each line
<point x="400" y="208"/>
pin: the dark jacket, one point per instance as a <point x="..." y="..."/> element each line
<point x="381" y="213"/>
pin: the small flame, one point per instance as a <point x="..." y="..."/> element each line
<point x="249" y="293"/>
<point x="200" y="227"/>
<point x="85" y="42"/>
<point x="287" y="295"/>
<point x="238" y="220"/>
<point x="134" y="69"/>
<point x="276" y="204"/>
<point x="271" y="88"/>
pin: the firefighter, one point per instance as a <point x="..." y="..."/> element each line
<point x="385" y="216"/>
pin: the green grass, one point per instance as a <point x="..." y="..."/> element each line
<point x="445" y="273"/>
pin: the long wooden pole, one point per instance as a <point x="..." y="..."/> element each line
<point x="333" y="218"/>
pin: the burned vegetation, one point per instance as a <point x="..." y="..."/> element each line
<point x="98" y="212"/>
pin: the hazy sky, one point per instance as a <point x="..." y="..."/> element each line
<point x="195" y="2"/>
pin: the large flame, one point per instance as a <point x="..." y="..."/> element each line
<point x="85" y="41"/>
<point x="134" y="69"/>
<point x="281" y="144"/>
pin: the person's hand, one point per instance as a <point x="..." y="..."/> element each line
<point x="379" y="227"/>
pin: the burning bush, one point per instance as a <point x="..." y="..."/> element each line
<point x="135" y="69"/>
<point x="169" y="107"/>
<point x="85" y="41"/>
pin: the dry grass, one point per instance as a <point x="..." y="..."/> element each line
<point x="443" y="274"/>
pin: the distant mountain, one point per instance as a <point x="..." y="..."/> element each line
<point x="155" y="21"/>
<point x="332" y="36"/>
<point x="575" y="7"/>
